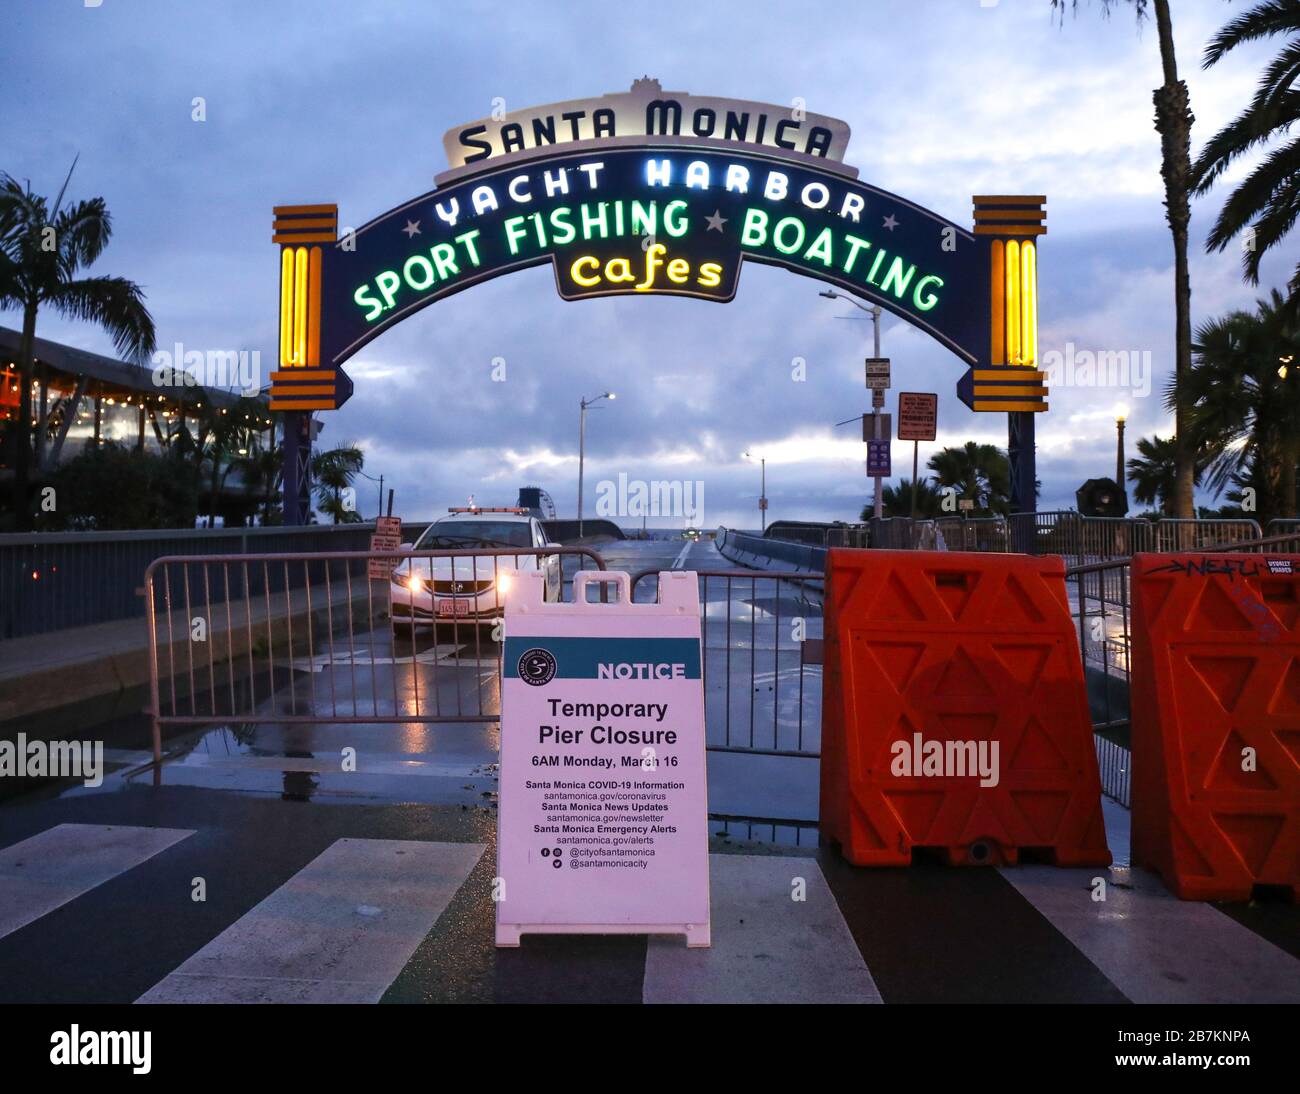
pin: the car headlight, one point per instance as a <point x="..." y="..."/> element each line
<point x="414" y="583"/>
<point x="503" y="582"/>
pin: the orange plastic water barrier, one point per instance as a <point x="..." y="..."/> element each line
<point x="1216" y="722"/>
<point x="954" y="712"/>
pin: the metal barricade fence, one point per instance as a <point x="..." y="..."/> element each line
<point x="974" y="533"/>
<point x="762" y="639"/>
<point x="1174" y="534"/>
<point x="308" y="638"/>
<point x="1099" y="599"/>
<point x="1077" y="537"/>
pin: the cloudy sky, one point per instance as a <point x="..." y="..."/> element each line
<point x="331" y="101"/>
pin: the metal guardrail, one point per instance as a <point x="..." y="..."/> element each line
<point x="231" y="637"/>
<point x="735" y="546"/>
<point x="762" y="640"/>
<point x="1072" y="535"/>
<point x="50" y="581"/>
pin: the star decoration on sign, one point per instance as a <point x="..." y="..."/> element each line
<point x="890" y="222"/>
<point x="716" y="221"/>
<point x="412" y="228"/>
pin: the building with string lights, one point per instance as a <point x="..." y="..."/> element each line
<point x="82" y="400"/>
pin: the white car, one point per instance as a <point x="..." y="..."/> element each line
<point x="469" y="588"/>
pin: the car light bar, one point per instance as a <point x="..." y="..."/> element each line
<point x="484" y="509"/>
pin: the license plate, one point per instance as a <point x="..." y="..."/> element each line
<point x="453" y="607"/>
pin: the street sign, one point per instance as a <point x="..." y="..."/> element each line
<point x="877" y="373"/>
<point x="387" y="536"/>
<point x="965" y="504"/>
<point x="878" y="458"/>
<point x="868" y="428"/>
<point x="918" y="415"/>
<point x="602" y="825"/>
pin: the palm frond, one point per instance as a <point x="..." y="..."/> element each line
<point x="114" y="303"/>
<point x="1274" y="180"/>
<point x="1262" y="21"/>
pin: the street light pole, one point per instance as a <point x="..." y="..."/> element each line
<point x="877" y="510"/>
<point x="762" y="489"/>
<point x="582" y="445"/>
<point x="582" y="454"/>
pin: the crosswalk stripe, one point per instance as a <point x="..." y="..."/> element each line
<point x="767" y="946"/>
<point x="339" y="931"/>
<point x="1154" y="947"/>
<point x="47" y="870"/>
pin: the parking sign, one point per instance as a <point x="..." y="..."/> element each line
<point x="878" y="459"/>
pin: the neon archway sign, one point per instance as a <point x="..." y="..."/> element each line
<point x="653" y="193"/>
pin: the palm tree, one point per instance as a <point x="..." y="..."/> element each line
<point x="1174" y="124"/>
<point x="333" y="471"/>
<point x="896" y="501"/>
<point x="1267" y="201"/>
<point x="233" y="432"/>
<point x="978" y="472"/>
<point x="42" y="250"/>
<point x="1243" y="401"/>
<point x="261" y="468"/>
<point x="1154" y="473"/>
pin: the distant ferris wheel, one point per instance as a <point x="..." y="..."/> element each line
<point x="534" y="497"/>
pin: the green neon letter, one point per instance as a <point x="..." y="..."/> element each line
<point x="855" y="245"/>
<point x="926" y="301"/>
<point x="444" y="255"/>
<point x="562" y="226"/>
<point x="365" y="300"/>
<point x="388" y="283"/>
<point x="896" y="280"/>
<point x="675" y="223"/>
<point x="821" y="248"/>
<point x="754" y="232"/>
<point x="515" y="231"/>
<point x="779" y="233"/>
<point x="466" y="240"/>
<point x="594" y="223"/>
<point x="425" y="268"/>
<point x="645" y="219"/>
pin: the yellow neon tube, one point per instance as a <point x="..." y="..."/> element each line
<point x="1029" y="303"/>
<point x="286" y="306"/>
<point x="300" y="308"/>
<point x="1013" y="303"/>
<point x="998" y="290"/>
<point x="313" y="305"/>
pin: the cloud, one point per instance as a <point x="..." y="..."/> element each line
<point x="316" y="101"/>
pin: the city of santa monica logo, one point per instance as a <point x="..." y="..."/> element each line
<point x="536" y="666"/>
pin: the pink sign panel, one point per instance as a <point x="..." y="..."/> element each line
<point x="603" y="815"/>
